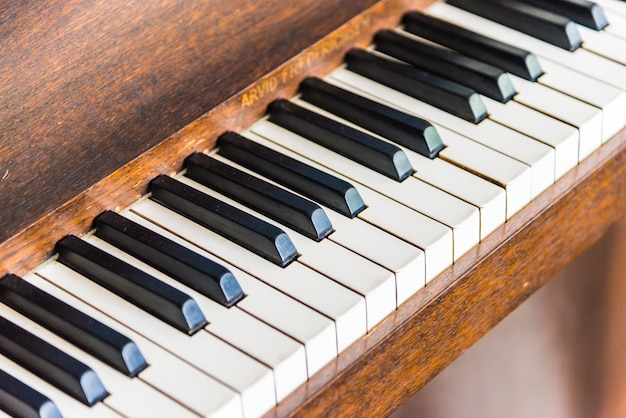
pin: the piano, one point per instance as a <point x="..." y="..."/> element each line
<point x="106" y="108"/>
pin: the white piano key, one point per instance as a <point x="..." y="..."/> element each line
<point x="67" y="405"/>
<point x="604" y="43"/>
<point x="580" y="60"/>
<point x="312" y="329"/>
<point x="340" y="304"/>
<point x="586" y="118"/>
<point x="282" y="354"/>
<point x="129" y="396"/>
<point x="460" y="216"/>
<point x="489" y="198"/>
<point x="617" y="23"/>
<point x="253" y="381"/>
<point x="434" y="238"/>
<point x="611" y="100"/>
<point x="405" y="261"/>
<point x="371" y="281"/>
<point x="612" y="6"/>
<point x="513" y="175"/>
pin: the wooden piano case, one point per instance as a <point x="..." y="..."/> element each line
<point x="96" y="98"/>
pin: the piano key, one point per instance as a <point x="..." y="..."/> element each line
<point x="58" y="368"/>
<point x="482" y="77"/>
<point x="580" y="60"/>
<point x="611" y="100"/>
<point x="452" y="97"/>
<point x="260" y="237"/>
<point x="374" y="283"/>
<point x="617" y="23"/>
<point x="513" y="175"/>
<point x="510" y="58"/>
<point x="580" y="11"/>
<point x="198" y="372"/>
<point x="67" y="405"/>
<point x="128" y="396"/>
<point x="563" y="138"/>
<point x="461" y="217"/>
<point x="434" y="238"/>
<point x="340" y="304"/>
<point x="413" y="133"/>
<point x="298" y="213"/>
<point x="81" y="330"/>
<point x="202" y="275"/>
<point x="339" y="195"/>
<point x="310" y="328"/>
<point x="384" y="158"/>
<point x="612" y="6"/>
<point x="605" y="44"/>
<point x="162" y="301"/>
<point x="548" y="26"/>
<point x="20" y="400"/>
<point x="405" y="261"/>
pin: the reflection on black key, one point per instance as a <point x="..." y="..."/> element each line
<point x="20" y="400"/>
<point x="378" y="155"/>
<point x="318" y="185"/>
<point x="439" y="92"/>
<point x="412" y="132"/>
<point x="541" y="24"/>
<point x="50" y="364"/>
<point x="482" y="77"/>
<point x="252" y="233"/>
<point x="289" y="209"/>
<point x="155" y="297"/>
<point x="199" y="273"/>
<point x="510" y="58"/>
<point x="584" y="12"/>
<point x="71" y="324"/>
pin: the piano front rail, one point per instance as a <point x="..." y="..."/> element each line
<point x="383" y="369"/>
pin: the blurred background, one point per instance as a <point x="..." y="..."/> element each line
<point x="561" y="354"/>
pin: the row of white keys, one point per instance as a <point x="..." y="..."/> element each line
<point x="486" y="196"/>
<point x="462" y="217"/>
<point x="68" y="406"/>
<point x="203" y="351"/>
<point x="315" y="331"/>
<point x="404" y="260"/>
<point x="581" y="60"/>
<point x="434" y="238"/>
<point x="374" y="283"/>
<point x="130" y="397"/>
<point x="284" y="355"/>
<point x="513" y="175"/>
<point x="345" y="307"/>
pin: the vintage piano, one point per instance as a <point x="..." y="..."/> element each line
<point x="100" y="98"/>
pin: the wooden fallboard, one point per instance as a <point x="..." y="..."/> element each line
<point x="117" y="148"/>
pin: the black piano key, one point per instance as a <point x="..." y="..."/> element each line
<point x="21" y="401"/>
<point x="542" y="24"/>
<point x="71" y="324"/>
<point x="485" y="78"/>
<point x="515" y="60"/>
<point x="50" y="364"/>
<point x="199" y="273"/>
<point x="252" y="233"/>
<point x="328" y="190"/>
<point x="437" y="91"/>
<point x="146" y="292"/>
<point x="378" y="155"/>
<point x="584" y="12"/>
<point x="412" y="132"/>
<point x="279" y="204"/>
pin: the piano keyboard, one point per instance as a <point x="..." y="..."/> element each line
<point x="239" y="278"/>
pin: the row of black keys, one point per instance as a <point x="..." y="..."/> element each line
<point x="215" y="281"/>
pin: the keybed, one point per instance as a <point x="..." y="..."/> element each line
<point x="295" y="317"/>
